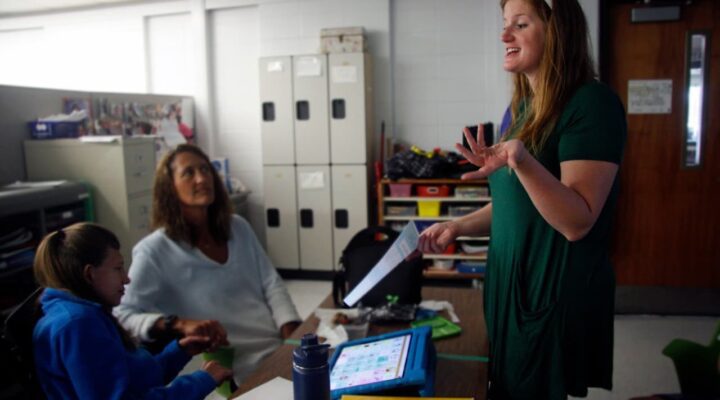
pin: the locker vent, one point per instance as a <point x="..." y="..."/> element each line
<point x="306" y="218"/>
<point x="338" y="109"/>
<point x="268" y="111"/>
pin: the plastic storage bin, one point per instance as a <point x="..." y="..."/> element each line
<point x="422" y="225"/>
<point x="400" y="189"/>
<point x="459" y="211"/>
<point x="401" y="211"/>
<point x="428" y="208"/>
<point x="471" y="192"/>
<point x="467" y="267"/>
<point x="433" y="190"/>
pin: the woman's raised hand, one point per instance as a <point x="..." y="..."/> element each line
<point x="219" y="373"/>
<point x="437" y="237"/>
<point x="489" y="159"/>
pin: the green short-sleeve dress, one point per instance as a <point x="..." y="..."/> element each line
<point x="549" y="302"/>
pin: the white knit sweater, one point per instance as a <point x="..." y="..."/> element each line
<point x="245" y="294"/>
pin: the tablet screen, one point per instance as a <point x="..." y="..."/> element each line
<point x="368" y="363"/>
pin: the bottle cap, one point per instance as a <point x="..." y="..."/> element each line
<point x="310" y="354"/>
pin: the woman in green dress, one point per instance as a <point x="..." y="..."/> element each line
<point x="549" y="286"/>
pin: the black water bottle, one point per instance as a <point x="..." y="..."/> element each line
<point x="311" y="375"/>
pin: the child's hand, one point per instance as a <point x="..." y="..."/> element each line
<point x="219" y="373"/>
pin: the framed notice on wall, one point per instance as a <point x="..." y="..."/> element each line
<point x="649" y="96"/>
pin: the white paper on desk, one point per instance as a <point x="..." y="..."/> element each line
<point x="405" y="244"/>
<point x="100" y="139"/>
<point x="276" y="389"/>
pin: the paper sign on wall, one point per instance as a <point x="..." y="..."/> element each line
<point x="344" y="74"/>
<point x="312" y="180"/>
<point x="650" y="96"/>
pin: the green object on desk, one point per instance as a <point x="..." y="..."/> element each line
<point x="224" y="356"/>
<point x="392" y="299"/>
<point x="441" y="327"/>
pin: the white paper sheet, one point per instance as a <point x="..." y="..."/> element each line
<point x="100" y="139"/>
<point x="308" y="66"/>
<point x="405" y="244"/>
<point x="312" y="180"/>
<point x="650" y="96"/>
<point x="344" y="74"/>
<point x="276" y="389"/>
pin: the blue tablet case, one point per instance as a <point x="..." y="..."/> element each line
<point x="419" y="370"/>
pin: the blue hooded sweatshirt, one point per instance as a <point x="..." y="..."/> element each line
<point x="79" y="354"/>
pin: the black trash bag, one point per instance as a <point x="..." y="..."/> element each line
<point x="408" y="164"/>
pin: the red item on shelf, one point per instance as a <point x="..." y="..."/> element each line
<point x="433" y="190"/>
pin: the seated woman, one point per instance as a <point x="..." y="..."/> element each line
<point x="80" y="350"/>
<point x="203" y="271"/>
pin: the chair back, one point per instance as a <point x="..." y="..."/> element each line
<point x="16" y="346"/>
<point x="361" y="254"/>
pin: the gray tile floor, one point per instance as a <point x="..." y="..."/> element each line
<point x="640" y="368"/>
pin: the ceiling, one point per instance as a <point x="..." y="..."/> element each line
<point x="25" y="7"/>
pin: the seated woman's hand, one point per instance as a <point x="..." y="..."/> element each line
<point x="288" y="328"/>
<point x="219" y="373"/>
<point x="194" y="345"/>
<point x="437" y="237"/>
<point x="211" y="329"/>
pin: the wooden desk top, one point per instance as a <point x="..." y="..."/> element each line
<point x="455" y="377"/>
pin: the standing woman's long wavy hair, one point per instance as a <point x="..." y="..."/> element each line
<point x="566" y="65"/>
<point x="167" y="211"/>
<point x="61" y="258"/>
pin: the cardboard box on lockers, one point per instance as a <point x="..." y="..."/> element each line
<point x="343" y="40"/>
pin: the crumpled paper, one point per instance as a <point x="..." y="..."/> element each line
<point x="439" y="305"/>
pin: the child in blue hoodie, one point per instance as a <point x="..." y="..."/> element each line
<point x="80" y="350"/>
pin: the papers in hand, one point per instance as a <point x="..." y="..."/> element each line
<point x="405" y="244"/>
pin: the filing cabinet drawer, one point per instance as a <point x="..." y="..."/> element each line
<point x="139" y="209"/>
<point x="139" y="167"/>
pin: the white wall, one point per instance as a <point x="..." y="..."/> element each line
<point x="170" y="67"/>
<point x="436" y="63"/>
<point x="234" y="38"/>
<point x="448" y="69"/>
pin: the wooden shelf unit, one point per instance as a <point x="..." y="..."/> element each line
<point x="384" y="199"/>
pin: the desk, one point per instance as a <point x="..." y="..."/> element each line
<point x="456" y="377"/>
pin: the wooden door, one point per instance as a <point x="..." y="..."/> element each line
<point x="667" y="228"/>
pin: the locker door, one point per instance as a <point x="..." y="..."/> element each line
<point x="276" y="124"/>
<point x="310" y="91"/>
<point x="281" y="217"/>
<point x="314" y="209"/>
<point x="349" y="108"/>
<point x="350" y="203"/>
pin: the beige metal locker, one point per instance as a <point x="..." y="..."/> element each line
<point x="310" y="92"/>
<point x="121" y="174"/>
<point x="350" y="203"/>
<point x="314" y="216"/>
<point x="350" y="108"/>
<point x="281" y="225"/>
<point x="276" y="127"/>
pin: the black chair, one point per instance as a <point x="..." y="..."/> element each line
<point x="16" y="351"/>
